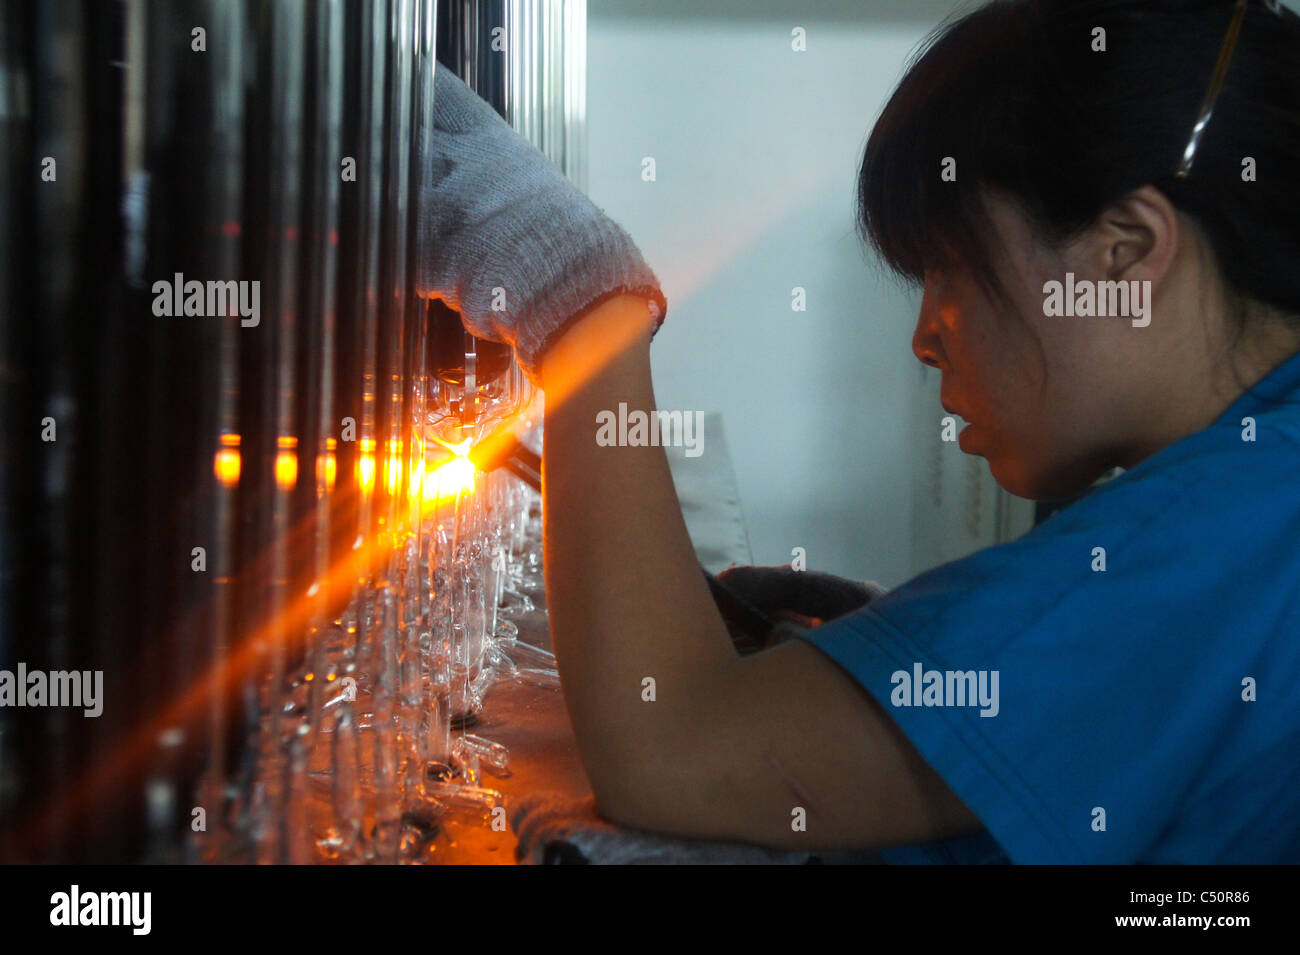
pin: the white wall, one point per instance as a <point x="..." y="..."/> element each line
<point x="757" y="148"/>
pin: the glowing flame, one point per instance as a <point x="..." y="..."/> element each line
<point x="226" y="463"/>
<point x="444" y="481"/>
<point x="226" y="466"/>
<point x="286" y="461"/>
<point x="366" y="465"/>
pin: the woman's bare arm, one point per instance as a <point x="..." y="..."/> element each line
<point x="730" y="746"/>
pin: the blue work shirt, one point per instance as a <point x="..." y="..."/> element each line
<point x="1147" y="712"/>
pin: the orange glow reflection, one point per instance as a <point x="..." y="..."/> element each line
<point x="415" y="480"/>
<point x="327" y="466"/>
<point x="451" y="477"/>
<point x="394" y="469"/>
<point x="366" y="466"/>
<point x="286" y="461"/>
<point x="226" y="463"/>
<point x="226" y="466"/>
<point x="115" y="767"/>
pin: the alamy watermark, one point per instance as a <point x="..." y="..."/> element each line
<point x="922" y="687"/>
<point x="83" y="688"/>
<point x="1088" y="299"/>
<point x="76" y="907"/>
<point x="641" y="429"/>
<point x="212" y="299"/>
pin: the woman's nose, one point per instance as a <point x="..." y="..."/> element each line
<point x="927" y="344"/>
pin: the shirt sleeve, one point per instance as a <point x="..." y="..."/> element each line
<point x="1110" y="656"/>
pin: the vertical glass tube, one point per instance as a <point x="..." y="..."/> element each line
<point x="238" y="509"/>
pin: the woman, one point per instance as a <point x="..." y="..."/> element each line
<point x="1122" y="684"/>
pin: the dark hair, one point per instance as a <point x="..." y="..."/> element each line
<point x="1015" y="93"/>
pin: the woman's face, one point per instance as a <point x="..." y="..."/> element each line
<point x="1048" y="400"/>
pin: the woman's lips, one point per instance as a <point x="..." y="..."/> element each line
<point x="967" y="434"/>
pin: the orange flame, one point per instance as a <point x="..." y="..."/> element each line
<point x="225" y="465"/>
<point x="366" y="466"/>
<point x="454" y="476"/>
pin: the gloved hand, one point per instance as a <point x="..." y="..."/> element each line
<point x="797" y="599"/>
<point x="508" y="229"/>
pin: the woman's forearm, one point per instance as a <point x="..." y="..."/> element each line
<point x="730" y="745"/>
<point x="625" y="596"/>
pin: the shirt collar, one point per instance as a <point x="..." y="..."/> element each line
<point x="1279" y="384"/>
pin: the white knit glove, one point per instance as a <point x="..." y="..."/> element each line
<point x="513" y="244"/>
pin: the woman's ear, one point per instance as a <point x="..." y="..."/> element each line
<point x="1137" y="236"/>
